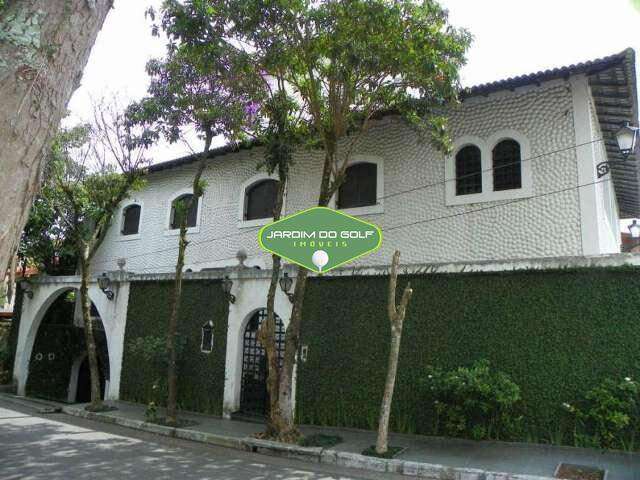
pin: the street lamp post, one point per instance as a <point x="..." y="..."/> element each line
<point x="626" y="137"/>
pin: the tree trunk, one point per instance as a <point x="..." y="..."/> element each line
<point x="267" y="332"/>
<point x="44" y="47"/>
<point x="396" y="320"/>
<point x="172" y="328"/>
<point x="89" y="337"/>
<point x="286" y="420"/>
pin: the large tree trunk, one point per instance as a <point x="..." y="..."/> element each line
<point x="396" y="321"/>
<point x="285" y="411"/>
<point x="44" y="47"/>
<point x="267" y="332"/>
<point x="89" y="337"/>
<point x="172" y="328"/>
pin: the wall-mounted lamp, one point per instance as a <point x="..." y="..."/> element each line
<point x="286" y="282"/>
<point x="26" y="288"/>
<point x="104" y="283"/>
<point x="626" y="137"/>
<point x="227" y="284"/>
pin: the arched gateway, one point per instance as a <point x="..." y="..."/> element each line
<point x="254" y="399"/>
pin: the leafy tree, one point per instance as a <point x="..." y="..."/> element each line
<point x="341" y="64"/>
<point x="195" y="87"/>
<point x="44" y="46"/>
<point x="92" y="170"/>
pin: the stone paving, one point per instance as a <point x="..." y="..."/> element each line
<point x="430" y="457"/>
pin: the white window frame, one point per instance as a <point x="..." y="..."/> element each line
<point x="258" y="222"/>
<point x="125" y="238"/>
<point x="378" y="208"/>
<point x="486" y="156"/>
<point x="210" y="324"/>
<point x="176" y="231"/>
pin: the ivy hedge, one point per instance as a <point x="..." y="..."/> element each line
<point x="557" y="334"/>
<point x="200" y="375"/>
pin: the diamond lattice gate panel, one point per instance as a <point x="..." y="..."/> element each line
<point x="254" y="398"/>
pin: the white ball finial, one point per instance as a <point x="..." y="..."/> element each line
<point x="320" y="258"/>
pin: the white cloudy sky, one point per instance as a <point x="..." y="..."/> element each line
<point x="512" y="37"/>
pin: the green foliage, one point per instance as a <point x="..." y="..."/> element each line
<point x="556" y="334"/>
<point x="609" y="415"/>
<point x="200" y="375"/>
<point x="472" y="402"/>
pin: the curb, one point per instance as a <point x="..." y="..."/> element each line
<point x="40" y="406"/>
<point x="307" y="454"/>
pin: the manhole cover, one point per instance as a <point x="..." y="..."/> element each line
<point x="570" y="471"/>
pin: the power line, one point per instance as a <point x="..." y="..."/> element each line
<point x="394" y="194"/>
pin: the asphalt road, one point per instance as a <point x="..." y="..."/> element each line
<point x="58" y="446"/>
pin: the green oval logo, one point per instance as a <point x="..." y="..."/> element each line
<point x="320" y="239"/>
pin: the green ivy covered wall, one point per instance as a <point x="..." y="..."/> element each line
<point x="200" y="375"/>
<point x="556" y="333"/>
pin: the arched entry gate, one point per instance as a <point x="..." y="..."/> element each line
<point x="254" y="399"/>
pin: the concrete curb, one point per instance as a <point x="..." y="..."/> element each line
<point x="307" y="454"/>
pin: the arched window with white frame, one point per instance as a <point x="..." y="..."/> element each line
<point x="260" y="199"/>
<point x="131" y="219"/>
<point x="468" y="170"/>
<point x="183" y="205"/>
<point x="360" y="186"/>
<point x="507" y="171"/>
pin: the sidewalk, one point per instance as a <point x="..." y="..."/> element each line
<point x="426" y="457"/>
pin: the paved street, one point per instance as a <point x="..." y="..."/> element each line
<point x="61" y="447"/>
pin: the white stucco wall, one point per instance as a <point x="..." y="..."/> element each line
<point x="547" y="222"/>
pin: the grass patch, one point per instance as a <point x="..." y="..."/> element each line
<point x="320" y="440"/>
<point x="391" y="452"/>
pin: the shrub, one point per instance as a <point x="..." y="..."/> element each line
<point x="472" y="402"/>
<point x="608" y="416"/>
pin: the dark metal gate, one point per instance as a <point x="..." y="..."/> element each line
<point x="254" y="399"/>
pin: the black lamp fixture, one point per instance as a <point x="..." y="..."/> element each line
<point x="286" y="282"/>
<point x="227" y="284"/>
<point x="626" y="137"/>
<point x="104" y="283"/>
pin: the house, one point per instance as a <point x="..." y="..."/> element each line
<point x="520" y="190"/>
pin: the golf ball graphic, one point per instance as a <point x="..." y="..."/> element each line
<point x="320" y="258"/>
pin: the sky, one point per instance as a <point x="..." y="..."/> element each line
<point x="511" y="37"/>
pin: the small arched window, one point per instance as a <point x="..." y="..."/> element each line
<point x="131" y="220"/>
<point x="468" y="170"/>
<point x="260" y="199"/>
<point x="507" y="172"/>
<point x="179" y="208"/>
<point x="206" y="345"/>
<point x="359" y="188"/>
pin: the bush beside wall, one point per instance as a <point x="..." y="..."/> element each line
<point x="557" y="334"/>
<point x="200" y="375"/>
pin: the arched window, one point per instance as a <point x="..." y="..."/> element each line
<point x="259" y="199"/>
<point x="359" y="188"/>
<point x="179" y="208"/>
<point x="131" y="220"/>
<point x="507" y="173"/>
<point x="206" y="345"/>
<point x="468" y="170"/>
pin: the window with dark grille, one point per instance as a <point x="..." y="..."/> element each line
<point x="259" y="200"/>
<point x="468" y="171"/>
<point x="359" y="188"/>
<point x="506" y="166"/>
<point x="179" y="208"/>
<point x="131" y="220"/>
<point x="207" y="338"/>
